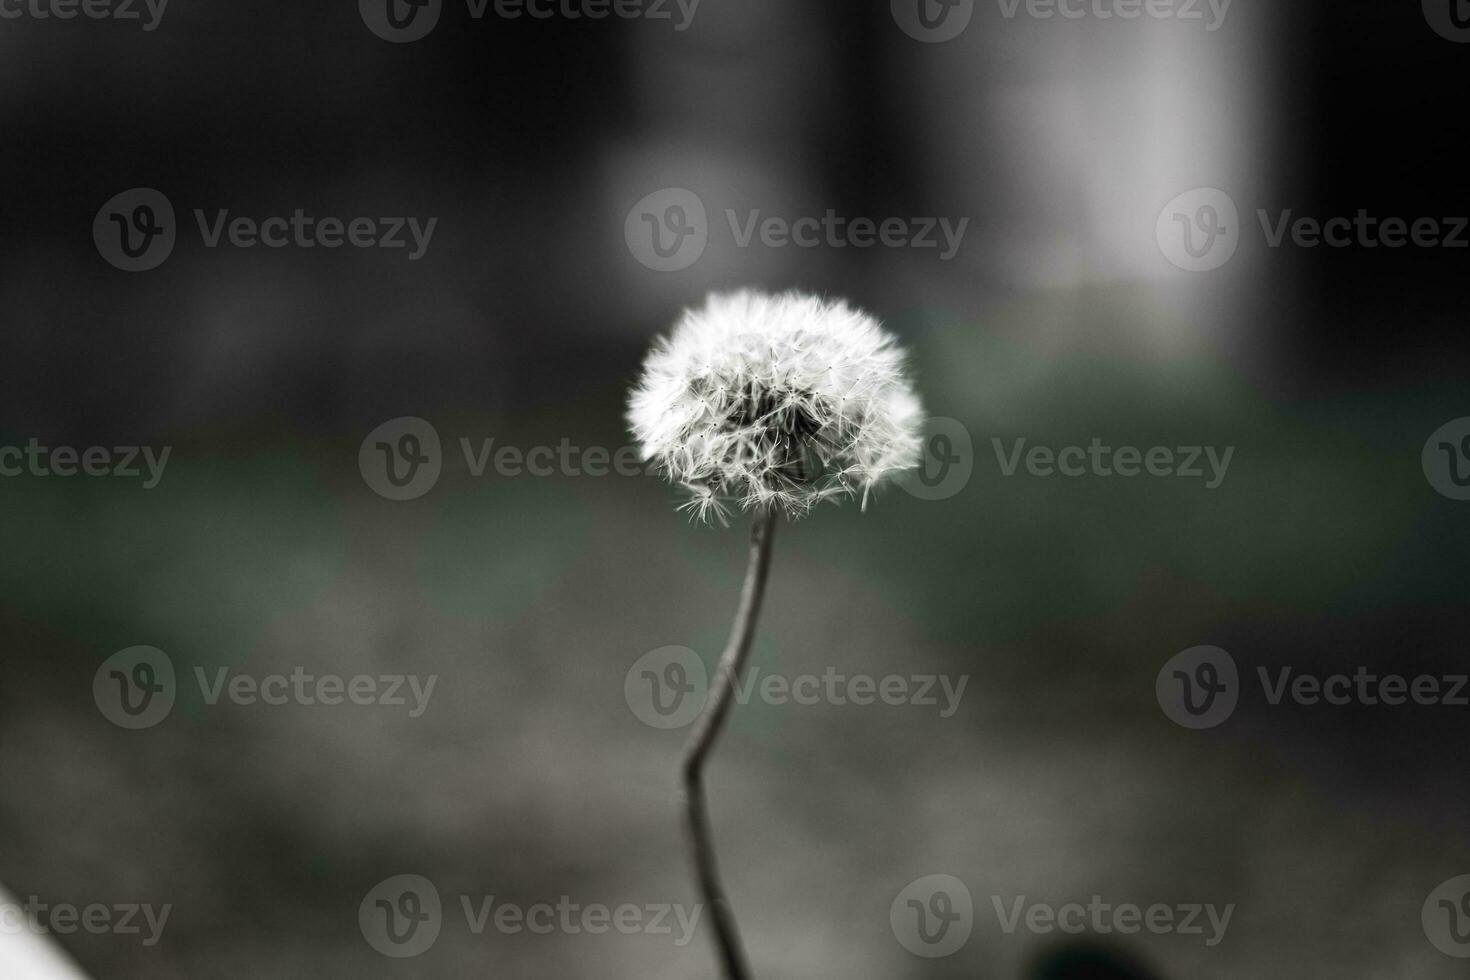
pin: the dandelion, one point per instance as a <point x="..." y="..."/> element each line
<point x="775" y="402"/>
<point x="772" y="404"/>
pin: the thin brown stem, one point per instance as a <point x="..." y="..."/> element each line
<point x="702" y="740"/>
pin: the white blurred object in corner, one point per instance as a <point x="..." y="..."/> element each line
<point x="26" y="955"/>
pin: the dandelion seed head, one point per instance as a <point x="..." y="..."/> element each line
<point x="765" y="402"/>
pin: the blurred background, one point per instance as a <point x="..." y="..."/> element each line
<point x="537" y="144"/>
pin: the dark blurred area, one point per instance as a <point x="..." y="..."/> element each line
<point x="263" y="549"/>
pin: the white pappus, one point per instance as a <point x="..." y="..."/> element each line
<point x="775" y="402"/>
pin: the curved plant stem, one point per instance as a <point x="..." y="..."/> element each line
<point x="702" y="740"/>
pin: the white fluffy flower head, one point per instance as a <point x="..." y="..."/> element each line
<point x="775" y="401"/>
